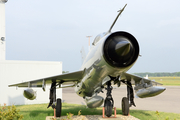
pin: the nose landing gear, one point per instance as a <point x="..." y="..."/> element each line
<point x="126" y="102"/>
<point x="109" y="102"/>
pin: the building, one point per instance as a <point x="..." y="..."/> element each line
<point x="12" y="72"/>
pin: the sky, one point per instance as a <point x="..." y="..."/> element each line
<point x="56" y="30"/>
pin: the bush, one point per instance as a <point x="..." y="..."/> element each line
<point x="9" y="113"/>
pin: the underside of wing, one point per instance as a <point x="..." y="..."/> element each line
<point x="138" y="80"/>
<point x="64" y="79"/>
<point x="143" y="87"/>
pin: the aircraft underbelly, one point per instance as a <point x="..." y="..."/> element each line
<point x="94" y="79"/>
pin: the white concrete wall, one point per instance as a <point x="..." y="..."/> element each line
<point x="12" y="72"/>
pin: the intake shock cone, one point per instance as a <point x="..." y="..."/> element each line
<point x="121" y="49"/>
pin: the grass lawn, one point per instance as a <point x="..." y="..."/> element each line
<point x="175" y="81"/>
<point x="40" y="111"/>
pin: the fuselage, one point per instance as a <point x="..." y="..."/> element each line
<point x="104" y="60"/>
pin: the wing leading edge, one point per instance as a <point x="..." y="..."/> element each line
<point x="64" y="79"/>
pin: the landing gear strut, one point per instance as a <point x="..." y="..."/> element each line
<point x="53" y="103"/>
<point x="129" y="100"/>
<point x="108" y="103"/>
<point x="130" y="94"/>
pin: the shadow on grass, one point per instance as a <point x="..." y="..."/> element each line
<point x="42" y="111"/>
<point x="36" y="113"/>
<point x="74" y="109"/>
<point x="65" y="109"/>
<point x="84" y="111"/>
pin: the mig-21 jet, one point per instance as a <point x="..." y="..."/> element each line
<point x="111" y="56"/>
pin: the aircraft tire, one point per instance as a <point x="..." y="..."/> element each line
<point x="58" y="107"/>
<point x="108" y="108"/>
<point x="125" y="106"/>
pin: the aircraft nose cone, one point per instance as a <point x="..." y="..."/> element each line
<point x="122" y="48"/>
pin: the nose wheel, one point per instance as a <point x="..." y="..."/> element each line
<point x="108" y="103"/>
<point x="108" y="108"/>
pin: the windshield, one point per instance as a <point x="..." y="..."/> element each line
<point x="98" y="37"/>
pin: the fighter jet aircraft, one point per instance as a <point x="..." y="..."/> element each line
<point x="111" y="56"/>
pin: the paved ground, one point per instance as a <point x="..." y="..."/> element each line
<point x="168" y="101"/>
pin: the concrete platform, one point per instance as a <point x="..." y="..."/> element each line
<point x="95" y="117"/>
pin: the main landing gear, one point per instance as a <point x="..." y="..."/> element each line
<point x="129" y="100"/>
<point x="125" y="106"/>
<point x="53" y="103"/>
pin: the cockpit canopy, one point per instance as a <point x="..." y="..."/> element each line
<point x="98" y="37"/>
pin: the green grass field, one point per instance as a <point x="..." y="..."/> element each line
<point x="39" y="112"/>
<point x="175" y="81"/>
